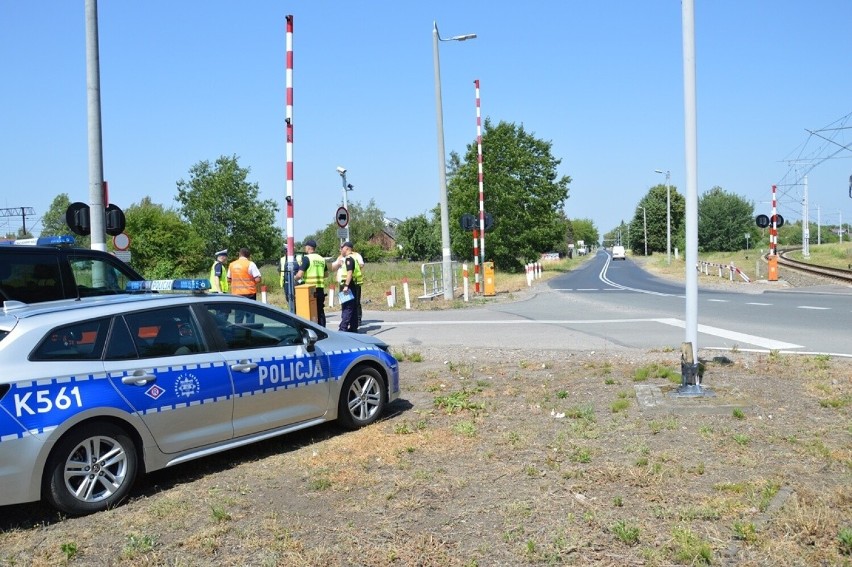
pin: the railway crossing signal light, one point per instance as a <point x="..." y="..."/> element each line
<point x="764" y="221"/>
<point x="78" y="219"/>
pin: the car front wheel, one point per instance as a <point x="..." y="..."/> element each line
<point x="91" y="469"/>
<point x="362" y="398"/>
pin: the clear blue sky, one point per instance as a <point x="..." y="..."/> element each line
<point x="191" y="80"/>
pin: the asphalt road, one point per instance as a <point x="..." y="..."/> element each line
<point x="607" y="306"/>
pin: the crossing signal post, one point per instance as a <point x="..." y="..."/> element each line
<point x="469" y="222"/>
<point x="77" y="217"/>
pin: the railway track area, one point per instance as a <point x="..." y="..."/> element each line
<point x="837" y="274"/>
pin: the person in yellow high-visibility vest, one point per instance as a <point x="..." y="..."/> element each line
<point x="219" y="273"/>
<point x="340" y="265"/>
<point x="352" y="281"/>
<point x="312" y="272"/>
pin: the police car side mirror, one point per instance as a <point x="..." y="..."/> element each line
<point x="309" y="339"/>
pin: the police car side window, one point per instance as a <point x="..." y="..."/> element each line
<point x="120" y="345"/>
<point x="165" y="332"/>
<point x="248" y="326"/>
<point x="95" y="276"/>
<point x="80" y="341"/>
<point x="30" y="278"/>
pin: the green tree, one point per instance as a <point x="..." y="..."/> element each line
<point x="420" y="238"/>
<point x="53" y="221"/>
<point x="163" y="246"/>
<point x="723" y="220"/>
<point x="364" y="224"/>
<point x="223" y="207"/>
<point x="523" y="193"/>
<point x="585" y="230"/>
<point x="656" y="217"/>
<point x="618" y="235"/>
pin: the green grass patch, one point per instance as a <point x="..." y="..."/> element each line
<point x="458" y="401"/>
<point x="655" y="370"/>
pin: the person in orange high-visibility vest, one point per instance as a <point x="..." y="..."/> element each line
<point x="243" y="277"/>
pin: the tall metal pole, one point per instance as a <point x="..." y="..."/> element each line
<point x="668" y="216"/>
<point x="668" y="219"/>
<point x="645" y="228"/>
<point x="447" y="265"/>
<point x="342" y="171"/>
<point x="691" y="158"/>
<point x="819" y="227"/>
<point x="291" y="244"/>
<point x="806" y="224"/>
<point x="97" y="212"/>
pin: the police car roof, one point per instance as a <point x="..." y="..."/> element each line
<point x="72" y="309"/>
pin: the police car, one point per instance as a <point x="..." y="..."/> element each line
<point x="95" y="391"/>
<point x="50" y="268"/>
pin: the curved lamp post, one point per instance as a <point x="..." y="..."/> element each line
<point x="447" y="271"/>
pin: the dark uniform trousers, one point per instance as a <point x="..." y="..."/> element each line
<point x="349" y="311"/>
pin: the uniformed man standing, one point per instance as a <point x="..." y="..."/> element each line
<point x="312" y="272"/>
<point x="219" y="273"/>
<point x="351" y="283"/>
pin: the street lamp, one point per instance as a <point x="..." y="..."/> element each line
<point x="447" y="271"/>
<point x="645" y="227"/>
<point x="668" y="216"/>
<point x="346" y="187"/>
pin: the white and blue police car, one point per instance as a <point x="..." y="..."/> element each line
<point x="95" y="390"/>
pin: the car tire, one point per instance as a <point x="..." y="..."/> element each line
<point x="362" y="398"/>
<point x="92" y="468"/>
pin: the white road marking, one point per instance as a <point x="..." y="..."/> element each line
<point x="814" y="308"/>
<point x="761" y="304"/>
<point x="770" y="344"/>
<point x="718" y="300"/>
<point x="740" y="338"/>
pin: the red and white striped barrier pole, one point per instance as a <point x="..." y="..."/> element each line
<point x="475" y="261"/>
<point x="289" y="127"/>
<point x="481" y="184"/>
<point x="773" y="232"/>
<point x="331" y="293"/>
<point x="263" y="294"/>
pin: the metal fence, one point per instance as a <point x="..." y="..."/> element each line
<point x="433" y="278"/>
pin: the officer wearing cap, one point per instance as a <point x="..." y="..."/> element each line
<point x="312" y="271"/>
<point x="351" y="282"/>
<point x="219" y="273"/>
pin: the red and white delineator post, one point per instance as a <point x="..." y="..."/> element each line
<point x="475" y="261"/>
<point x="773" y="241"/>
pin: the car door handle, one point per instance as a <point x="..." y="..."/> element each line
<point x="244" y="366"/>
<point x="138" y="378"/>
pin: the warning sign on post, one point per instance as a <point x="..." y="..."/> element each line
<point x="342" y="217"/>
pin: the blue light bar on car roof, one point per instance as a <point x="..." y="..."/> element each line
<point x="169" y="285"/>
<point x="64" y="240"/>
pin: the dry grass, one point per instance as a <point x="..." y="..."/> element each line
<point x="530" y="467"/>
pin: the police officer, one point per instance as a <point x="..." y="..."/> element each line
<point x="219" y="273"/>
<point x="351" y="282"/>
<point x="312" y="271"/>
